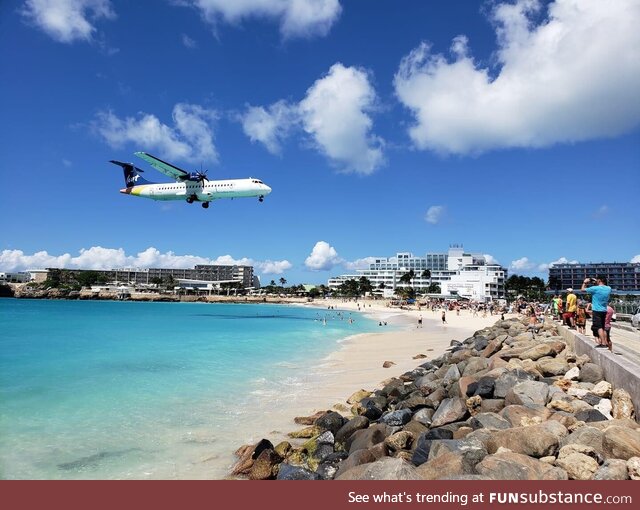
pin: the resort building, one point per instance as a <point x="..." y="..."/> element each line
<point x="624" y="276"/>
<point x="461" y="274"/>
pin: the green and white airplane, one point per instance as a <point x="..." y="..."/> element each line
<point x="192" y="187"/>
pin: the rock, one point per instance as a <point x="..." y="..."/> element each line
<point x="514" y="466"/>
<point x="453" y="374"/>
<point x="289" y="472"/>
<point x="536" y="441"/>
<point x="399" y="441"/>
<point x="355" y="423"/>
<point x="519" y="415"/>
<point x="590" y="415"/>
<point x="451" y="463"/>
<point x="560" y="405"/>
<point x="388" y="364"/>
<point x="574" y="373"/>
<point x="492" y="405"/>
<point x="590" y="372"/>
<point x="370" y="407"/>
<point x="508" y="380"/>
<point x="605" y="407"/>
<point x="578" y="466"/>
<point x="358" y="396"/>
<point x="397" y="418"/>
<point x="622" y="404"/>
<point x="423" y="445"/>
<point x="537" y="352"/>
<point x="589" y="436"/>
<point x="308" y="420"/>
<point x="366" y="438"/>
<point x="493" y="346"/>
<point x="450" y="410"/>
<point x="612" y="469"/>
<point x="305" y="433"/>
<point x="385" y="469"/>
<point x="424" y="416"/>
<point x="602" y="389"/>
<point x="633" y="468"/>
<point x="331" y="421"/>
<point x="489" y="421"/>
<point x="265" y="466"/>
<point x="475" y="365"/>
<point x="552" y="366"/>
<point x="248" y="454"/>
<point x="357" y="458"/>
<point x="621" y="443"/>
<point x="528" y="393"/>
<point x="483" y="387"/>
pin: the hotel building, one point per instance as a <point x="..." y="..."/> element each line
<point x="623" y="276"/>
<point x="467" y="275"/>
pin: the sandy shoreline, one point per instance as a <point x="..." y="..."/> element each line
<point x="358" y="363"/>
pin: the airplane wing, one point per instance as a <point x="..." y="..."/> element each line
<point x="162" y="166"/>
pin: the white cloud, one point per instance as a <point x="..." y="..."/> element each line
<point x="636" y="259"/>
<point x="359" y="263"/>
<point x="434" y="214"/>
<point x="188" y="42"/>
<point x="571" y="77"/>
<point x="298" y="18"/>
<point x="490" y="259"/>
<point x="191" y="139"/>
<point x="98" y="257"/>
<point x="335" y="113"/>
<point x="522" y="264"/>
<point x="269" y="126"/>
<point x="561" y="260"/>
<point x="67" y="20"/>
<point x="323" y="257"/>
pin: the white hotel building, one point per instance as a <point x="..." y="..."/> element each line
<point x="467" y="275"/>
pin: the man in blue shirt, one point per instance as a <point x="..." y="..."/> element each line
<point x="600" y="293"/>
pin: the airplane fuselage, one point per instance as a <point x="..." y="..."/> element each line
<point x="202" y="191"/>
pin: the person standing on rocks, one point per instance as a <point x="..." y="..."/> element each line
<point x="572" y="308"/>
<point x="600" y="293"/>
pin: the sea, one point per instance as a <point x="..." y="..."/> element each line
<point x="135" y="390"/>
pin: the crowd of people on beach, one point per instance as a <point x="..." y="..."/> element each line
<point x="573" y="311"/>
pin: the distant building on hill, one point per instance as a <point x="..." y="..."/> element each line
<point x="623" y="276"/>
<point x="467" y="275"/>
<point x="202" y="276"/>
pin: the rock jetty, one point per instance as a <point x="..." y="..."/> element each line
<point x="504" y="404"/>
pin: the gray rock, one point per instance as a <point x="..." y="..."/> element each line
<point x="424" y="416"/>
<point x="289" y="472"/>
<point x="552" y="366"/>
<point x="331" y="421"/>
<point x="385" y="469"/>
<point x="612" y="469"/>
<point x="355" y="423"/>
<point x="366" y="438"/>
<point x="536" y="441"/>
<point x="589" y="436"/>
<point x="522" y="415"/>
<point x="357" y="458"/>
<point x="397" y="418"/>
<point x="621" y="443"/>
<point x="590" y="372"/>
<point x="590" y="415"/>
<point x="528" y="393"/>
<point x="492" y="405"/>
<point x="423" y="445"/>
<point x="508" y="380"/>
<point x="475" y="365"/>
<point x="488" y="421"/>
<point x="452" y="374"/>
<point x="450" y="410"/>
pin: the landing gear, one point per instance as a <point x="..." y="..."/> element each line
<point x="260" y="198"/>
<point x="205" y="205"/>
<point x="189" y="200"/>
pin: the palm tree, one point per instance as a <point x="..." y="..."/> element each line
<point x="426" y="274"/>
<point x="282" y="281"/>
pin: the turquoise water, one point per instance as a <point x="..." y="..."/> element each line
<point x="101" y="389"/>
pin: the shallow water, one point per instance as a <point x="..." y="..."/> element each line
<point x="102" y="389"/>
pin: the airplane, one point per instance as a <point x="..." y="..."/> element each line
<point x="192" y="187"/>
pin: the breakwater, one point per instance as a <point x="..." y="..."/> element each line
<point x="504" y="404"/>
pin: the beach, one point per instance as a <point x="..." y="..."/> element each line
<point x="358" y="363"/>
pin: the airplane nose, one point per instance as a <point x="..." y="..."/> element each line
<point x="267" y="189"/>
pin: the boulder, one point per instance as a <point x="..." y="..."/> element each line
<point x="450" y="410"/>
<point x="331" y="421"/>
<point x="423" y="445"/>
<point x="289" y="472"/>
<point x="358" y="396"/>
<point x="536" y="441"/>
<point x="506" y="465"/>
<point x="578" y="466"/>
<point x="483" y="387"/>
<point x="612" y="469"/>
<point x="590" y="372"/>
<point x="602" y="389"/>
<point x="399" y="441"/>
<point x="622" y="404"/>
<point x="621" y="443"/>
<point x="552" y="366"/>
<point x="489" y="421"/>
<point x="450" y="464"/>
<point x="397" y="418"/>
<point x="355" y="423"/>
<point x="385" y="469"/>
<point x="248" y="454"/>
<point x="492" y="405"/>
<point x="528" y="393"/>
<point x="366" y="438"/>
<point x="572" y="374"/>
<point x="633" y="468"/>
<point x="537" y="352"/>
<point x="265" y="466"/>
<point x="424" y="416"/>
<point x="590" y="415"/>
<point x="518" y="416"/>
<point x="588" y="436"/>
<point x="508" y="380"/>
<point x="357" y="458"/>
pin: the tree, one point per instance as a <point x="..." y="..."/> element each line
<point x="554" y="283"/>
<point x="364" y="285"/>
<point x="434" y="288"/>
<point x="427" y="274"/>
<point x="282" y="281"/>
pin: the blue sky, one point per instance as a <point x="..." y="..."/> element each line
<point x="386" y="126"/>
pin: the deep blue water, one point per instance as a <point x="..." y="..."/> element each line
<point x="103" y="389"/>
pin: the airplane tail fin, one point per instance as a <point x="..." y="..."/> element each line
<point x="132" y="176"/>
